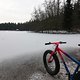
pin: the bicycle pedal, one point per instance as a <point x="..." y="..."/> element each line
<point x="66" y="74"/>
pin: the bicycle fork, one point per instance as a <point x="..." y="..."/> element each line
<point x="52" y="53"/>
<point x="49" y="60"/>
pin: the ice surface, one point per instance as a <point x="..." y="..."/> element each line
<point x="15" y="43"/>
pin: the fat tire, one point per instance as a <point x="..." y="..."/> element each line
<point x="57" y="64"/>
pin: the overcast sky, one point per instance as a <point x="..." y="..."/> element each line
<point x="17" y="10"/>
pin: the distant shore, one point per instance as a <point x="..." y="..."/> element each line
<point x="58" y="32"/>
<point x="48" y="31"/>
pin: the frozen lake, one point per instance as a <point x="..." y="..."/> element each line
<point x="17" y="43"/>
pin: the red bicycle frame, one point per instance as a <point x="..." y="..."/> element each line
<point x="60" y="52"/>
<point x="57" y="49"/>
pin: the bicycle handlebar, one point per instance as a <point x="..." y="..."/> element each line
<point x="55" y="43"/>
<point x="48" y="43"/>
<point x="62" y="42"/>
<point x="78" y="44"/>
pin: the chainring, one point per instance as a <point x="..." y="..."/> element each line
<point x="77" y="76"/>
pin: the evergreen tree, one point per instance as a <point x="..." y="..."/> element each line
<point x="67" y="24"/>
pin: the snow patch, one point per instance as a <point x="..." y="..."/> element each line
<point x="36" y="76"/>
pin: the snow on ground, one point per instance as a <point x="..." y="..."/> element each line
<point x="31" y="69"/>
<point x="22" y="53"/>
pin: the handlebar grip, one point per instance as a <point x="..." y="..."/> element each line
<point x="62" y="42"/>
<point x="78" y="44"/>
<point x="48" y="43"/>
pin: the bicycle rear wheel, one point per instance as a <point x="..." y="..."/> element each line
<point x="52" y="67"/>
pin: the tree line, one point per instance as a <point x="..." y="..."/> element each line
<point x="58" y="16"/>
<point x="53" y="15"/>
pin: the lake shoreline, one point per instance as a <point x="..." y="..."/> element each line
<point x="47" y="32"/>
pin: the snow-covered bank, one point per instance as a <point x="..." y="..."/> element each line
<point x="58" y="32"/>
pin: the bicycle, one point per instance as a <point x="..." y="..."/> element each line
<point x="52" y="57"/>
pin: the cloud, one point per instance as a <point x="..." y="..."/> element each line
<point x="17" y="10"/>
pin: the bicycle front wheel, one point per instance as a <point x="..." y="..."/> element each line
<point x="52" y="67"/>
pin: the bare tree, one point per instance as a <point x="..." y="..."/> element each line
<point x="35" y="14"/>
<point x="58" y="5"/>
<point x="50" y="8"/>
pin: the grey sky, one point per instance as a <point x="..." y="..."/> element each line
<point x="17" y="10"/>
